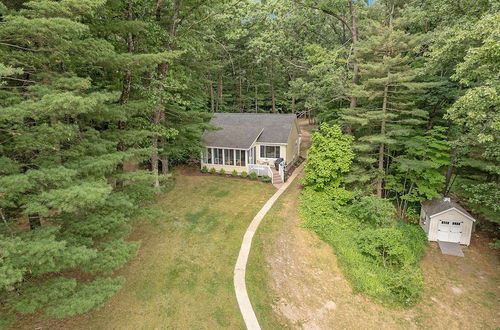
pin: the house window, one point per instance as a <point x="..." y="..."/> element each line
<point x="208" y="156"/>
<point x="229" y="156"/>
<point x="217" y="156"/>
<point x="251" y="155"/>
<point x="240" y="157"/>
<point x="269" y="151"/>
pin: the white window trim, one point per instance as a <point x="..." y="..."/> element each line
<point x="224" y="157"/>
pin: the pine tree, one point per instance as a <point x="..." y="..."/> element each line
<point x="386" y="111"/>
<point x="63" y="139"/>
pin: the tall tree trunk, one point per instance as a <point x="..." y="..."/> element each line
<point x="154" y="155"/>
<point x="355" y="66"/>
<point x="127" y="80"/>
<point x="240" y="96"/>
<point x="382" y="145"/>
<point x="449" y="171"/>
<point x="273" y="93"/>
<point x="212" y="96"/>
<point x="256" y="100"/>
<point x="34" y="221"/>
<point x="219" y="93"/>
<point x="164" y="165"/>
<point x="162" y="71"/>
<point x="292" y="78"/>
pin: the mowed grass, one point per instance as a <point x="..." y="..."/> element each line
<point x="182" y="277"/>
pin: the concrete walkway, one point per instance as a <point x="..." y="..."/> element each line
<point x="240" y="269"/>
<point x="453" y="249"/>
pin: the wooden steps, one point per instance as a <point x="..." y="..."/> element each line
<point x="276" y="176"/>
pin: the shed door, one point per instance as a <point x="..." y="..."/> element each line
<point x="449" y="231"/>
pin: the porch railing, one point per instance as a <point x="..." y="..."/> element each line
<point x="261" y="170"/>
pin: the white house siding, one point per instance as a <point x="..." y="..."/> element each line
<point x="451" y="215"/>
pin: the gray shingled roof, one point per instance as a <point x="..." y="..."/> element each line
<point x="240" y="130"/>
<point x="438" y="205"/>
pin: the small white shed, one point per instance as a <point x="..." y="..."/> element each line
<point x="444" y="220"/>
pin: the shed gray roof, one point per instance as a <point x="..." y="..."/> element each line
<point x="240" y="130"/>
<point x="438" y="205"/>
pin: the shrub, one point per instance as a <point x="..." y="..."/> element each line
<point x="382" y="262"/>
<point x="222" y="172"/>
<point x="213" y="171"/>
<point x="234" y="173"/>
<point x="244" y="174"/>
<point x="386" y="246"/>
<point x="266" y="178"/>
<point x="329" y="157"/>
<point x="204" y="169"/>
<point x="253" y="176"/>
<point x="372" y="210"/>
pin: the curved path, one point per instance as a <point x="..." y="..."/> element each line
<point x="240" y="269"/>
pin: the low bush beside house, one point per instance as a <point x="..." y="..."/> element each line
<point x="266" y="178"/>
<point x="244" y="174"/>
<point x="222" y="172"/>
<point x="234" y="173"/>
<point x="213" y="171"/>
<point x="204" y="169"/>
<point x="253" y="176"/>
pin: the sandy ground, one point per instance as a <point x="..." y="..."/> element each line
<point x="310" y="291"/>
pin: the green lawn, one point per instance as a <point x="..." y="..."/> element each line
<point x="182" y="277"/>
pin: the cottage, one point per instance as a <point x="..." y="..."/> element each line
<point x="267" y="144"/>
<point x="446" y="221"/>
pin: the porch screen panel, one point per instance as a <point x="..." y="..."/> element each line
<point x="240" y="158"/>
<point x="229" y="156"/>
<point x="243" y="159"/>
<point x="208" y="156"/>
<point x="251" y="156"/>
<point x="217" y="156"/>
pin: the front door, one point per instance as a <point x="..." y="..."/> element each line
<point x="449" y="231"/>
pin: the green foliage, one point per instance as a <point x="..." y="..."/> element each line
<point x="63" y="297"/>
<point x="372" y="255"/>
<point x="244" y="174"/>
<point x="222" y="172"/>
<point x="234" y="173"/>
<point x="372" y="210"/>
<point x="213" y="170"/>
<point x="86" y="297"/>
<point x="204" y="169"/>
<point x="253" y="176"/>
<point x="111" y="257"/>
<point x="266" y="178"/>
<point x="328" y="158"/>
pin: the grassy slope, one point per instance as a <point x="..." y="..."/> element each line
<point x="182" y="277"/>
<point x="258" y="275"/>
<point x="292" y="269"/>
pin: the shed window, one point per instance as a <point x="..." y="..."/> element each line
<point x="269" y="151"/>
<point x="456" y="223"/>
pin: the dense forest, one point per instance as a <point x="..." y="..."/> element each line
<point x="92" y="88"/>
